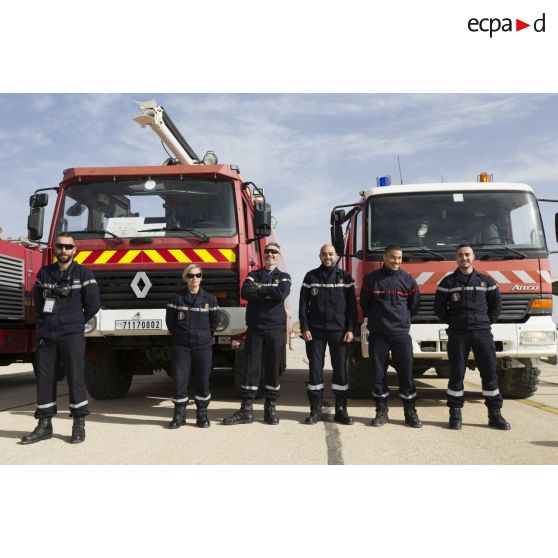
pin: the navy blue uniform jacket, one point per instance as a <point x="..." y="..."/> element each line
<point x="389" y="299"/>
<point x="266" y="292"/>
<point x="467" y="302"/>
<point x="74" y="310"/>
<point x="327" y="300"/>
<point x="192" y="318"/>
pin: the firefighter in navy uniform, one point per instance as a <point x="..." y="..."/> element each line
<point x="469" y="302"/>
<point x="327" y="314"/>
<point x="66" y="298"/>
<point x="389" y="297"/>
<point x="266" y="318"/>
<point x="192" y="318"/>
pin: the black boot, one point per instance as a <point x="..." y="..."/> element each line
<point x="179" y="418"/>
<point x="270" y="412"/>
<point x="496" y="420"/>
<point x="243" y="415"/>
<point x="455" y="418"/>
<point x="43" y="431"/>
<point x="381" y="417"/>
<point x="411" y="417"/>
<point x="341" y="416"/>
<point x="316" y="412"/>
<point x="78" y="430"/>
<point x="201" y="417"/>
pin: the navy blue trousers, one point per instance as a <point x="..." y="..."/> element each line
<point x="71" y="349"/>
<point x="194" y="363"/>
<point x="460" y="344"/>
<point x="315" y="351"/>
<point x="401" y="348"/>
<point x="264" y="350"/>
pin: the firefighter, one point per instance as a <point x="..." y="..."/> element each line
<point x="192" y="318"/>
<point x="66" y="298"/>
<point x="327" y="314"/>
<point x="469" y="302"/>
<point x="266" y="318"/>
<point x="389" y="297"/>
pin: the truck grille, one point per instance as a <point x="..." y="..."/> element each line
<point x="116" y="291"/>
<point x="12" y="293"/>
<point x="514" y="309"/>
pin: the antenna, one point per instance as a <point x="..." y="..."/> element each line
<point x="400" y="175"/>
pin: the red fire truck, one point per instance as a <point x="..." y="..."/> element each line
<point x="19" y="263"/>
<point x="503" y="224"/>
<point x="137" y="228"/>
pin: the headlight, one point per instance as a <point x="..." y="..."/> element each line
<point x="91" y="325"/>
<point x="224" y="321"/>
<point x="537" y="337"/>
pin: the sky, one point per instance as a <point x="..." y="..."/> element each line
<point x="309" y="152"/>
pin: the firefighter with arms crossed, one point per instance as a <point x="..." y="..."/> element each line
<point x="66" y="297"/>
<point x="469" y="302"/>
<point x="265" y="290"/>
<point x="327" y="314"/>
<point x="389" y="297"/>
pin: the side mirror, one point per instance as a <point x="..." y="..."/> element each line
<point x="38" y="200"/>
<point x="262" y="219"/>
<point x="337" y="218"/>
<point x="35" y="223"/>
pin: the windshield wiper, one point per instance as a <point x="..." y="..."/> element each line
<point x="415" y="249"/>
<point x="97" y="231"/>
<point x="198" y="234"/>
<point x="500" y="247"/>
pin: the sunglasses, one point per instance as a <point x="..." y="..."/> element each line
<point x="60" y="246"/>
<point x="192" y="275"/>
<point x="271" y="251"/>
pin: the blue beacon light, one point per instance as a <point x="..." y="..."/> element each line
<point x="383" y="181"/>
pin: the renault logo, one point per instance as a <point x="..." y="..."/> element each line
<point x="141" y="292"/>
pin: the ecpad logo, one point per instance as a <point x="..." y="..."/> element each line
<point x="494" y="25"/>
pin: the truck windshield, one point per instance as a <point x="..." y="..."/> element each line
<point x="501" y="224"/>
<point x="154" y="207"/>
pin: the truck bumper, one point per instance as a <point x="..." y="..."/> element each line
<point x="152" y="322"/>
<point x="533" y="339"/>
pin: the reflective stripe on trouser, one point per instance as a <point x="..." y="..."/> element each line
<point x="264" y="352"/>
<point x="460" y="344"/>
<point x="401" y="347"/>
<point x="70" y="351"/>
<point x="195" y="364"/>
<point x="315" y="350"/>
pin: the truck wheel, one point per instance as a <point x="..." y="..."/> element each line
<point x="103" y="378"/>
<point x="519" y="383"/>
<point x="360" y="374"/>
<point x="420" y="369"/>
<point x="442" y="371"/>
<point x="240" y="369"/>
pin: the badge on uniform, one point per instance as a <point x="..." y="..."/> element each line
<point x="340" y="281"/>
<point x="181" y="315"/>
<point x="455" y="297"/>
<point x="483" y="284"/>
<point x="206" y="305"/>
<point x="314" y="291"/>
<point x="276" y="281"/>
<point x="49" y="306"/>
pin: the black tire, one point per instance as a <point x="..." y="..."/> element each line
<point x="103" y="378"/>
<point x="420" y="369"/>
<point x="442" y="371"/>
<point x="519" y="383"/>
<point x="360" y="374"/>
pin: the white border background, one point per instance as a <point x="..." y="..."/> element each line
<point x="289" y="46"/>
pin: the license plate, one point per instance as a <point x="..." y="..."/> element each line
<point x="138" y="324"/>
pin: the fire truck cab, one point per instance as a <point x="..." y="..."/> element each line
<point x="502" y="222"/>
